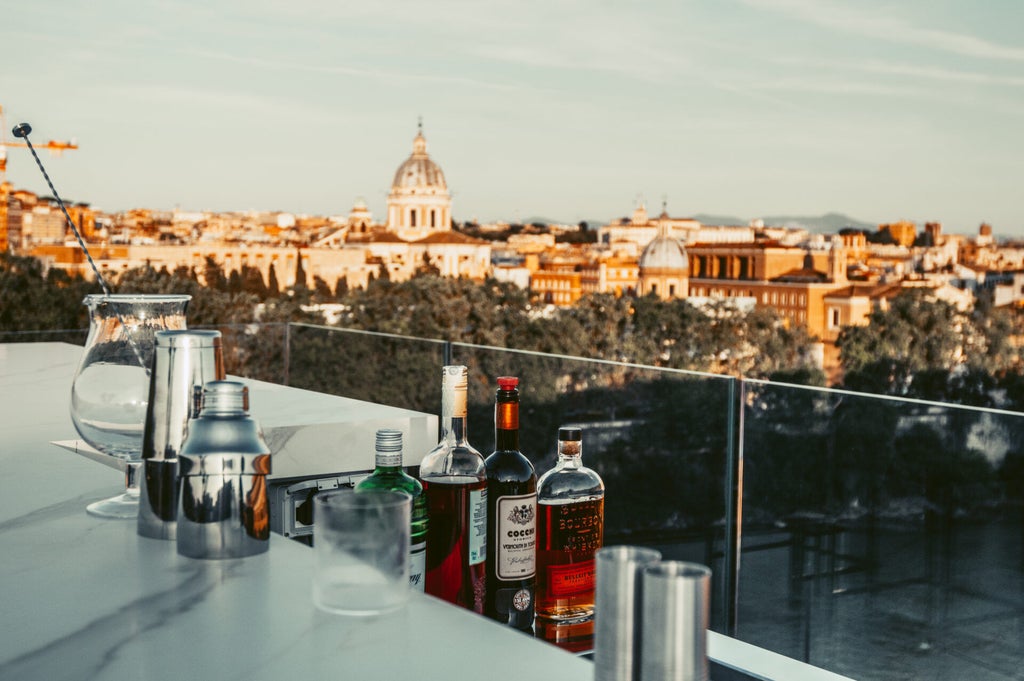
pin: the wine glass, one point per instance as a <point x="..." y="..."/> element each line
<point x="111" y="387"/>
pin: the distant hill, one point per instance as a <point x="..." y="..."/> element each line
<point x="829" y="223"/>
<point x="706" y="219"/>
<point x="554" y="221"/>
<point x="592" y="224"/>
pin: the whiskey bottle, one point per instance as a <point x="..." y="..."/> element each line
<point x="570" y="531"/>
<point x="455" y="486"/>
<point x="388" y="475"/>
<point x="512" y="517"/>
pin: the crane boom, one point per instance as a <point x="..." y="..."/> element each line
<point x="55" y="147"/>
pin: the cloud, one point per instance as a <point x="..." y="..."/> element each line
<point x="873" y="23"/>
<point x="215" y="102"/>
<point x="890" y="68"/>
<point x="837" y="87"/>
<point x="336" y="69"/>
<point x="938" y="73"/>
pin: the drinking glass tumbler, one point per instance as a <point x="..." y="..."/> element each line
<point x="361" y="551"/>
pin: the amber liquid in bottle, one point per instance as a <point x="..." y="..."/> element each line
<point x="570" y="499"/>
<point x="455" y="486"/>
<point x="571" y="532"/>
<point x="512" y="518"/>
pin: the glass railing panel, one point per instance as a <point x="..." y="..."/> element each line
<point x="72" y="336"/>
<point x="882" y="537"/>
<point x="375" y="367"/>
<point x="656" y="437"/>
<point x="250" y="350"/>
<point x="257" y="351"/>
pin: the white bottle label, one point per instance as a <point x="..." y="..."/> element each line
<point x="477" y="526"/>
<point x="418" y="566"/>
<point x="516" y="542"/>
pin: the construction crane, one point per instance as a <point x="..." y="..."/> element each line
<point x="55" y="147"/>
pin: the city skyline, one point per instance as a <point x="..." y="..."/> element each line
<point x="564" y="110"/>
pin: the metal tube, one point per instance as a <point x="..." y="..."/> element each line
<point x="676" y="599"/>
<point x="617" y="622"/>
<point x="182" y="361"/>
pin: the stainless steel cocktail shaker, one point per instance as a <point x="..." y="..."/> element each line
<point x="182" y="362"/>
<point x="223" y="511"/>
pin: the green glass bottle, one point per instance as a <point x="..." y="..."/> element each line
<point x="389" y="475"/>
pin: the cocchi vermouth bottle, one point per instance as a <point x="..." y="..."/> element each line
<point x="570" y="531"/>
<point x="388" y="474"/>
<point x="512" y="517"/>
<point x="455" y="485"/>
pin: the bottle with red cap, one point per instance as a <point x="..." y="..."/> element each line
<point x="511" y="517"/>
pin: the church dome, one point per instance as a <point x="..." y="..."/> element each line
<point x="664" y="253"/>
<point x="418" y="172"/>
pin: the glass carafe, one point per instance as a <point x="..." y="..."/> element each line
<point x="111" y="387"/>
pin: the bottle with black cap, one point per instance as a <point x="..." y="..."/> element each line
<point x="570" y="530"/>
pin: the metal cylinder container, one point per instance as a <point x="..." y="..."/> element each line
<point x="617" y="621"/>
<point x="223" y="511"/>
<point x="182" y="362"/>
<point x="675" y="609"/>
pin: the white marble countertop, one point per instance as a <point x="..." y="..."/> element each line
<point x="83" y="598"/>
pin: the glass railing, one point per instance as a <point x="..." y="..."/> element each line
<point x="882" y="537"/>
<point x="72" y="336"/>
<point x="375" y="367"/>
<point x="256" y="351"/>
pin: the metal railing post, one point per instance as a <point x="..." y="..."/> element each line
<point x="287" y="351"/>
<point x="730" y="582"/>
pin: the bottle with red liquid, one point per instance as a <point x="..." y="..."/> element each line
<point x="570" y="530"/>
<point x="455" y="485"/>
<point x="512" y="517"/>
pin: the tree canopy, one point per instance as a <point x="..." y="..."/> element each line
<point x="921" y="346"/>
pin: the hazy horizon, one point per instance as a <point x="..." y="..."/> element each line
<point x="568" y="110"/>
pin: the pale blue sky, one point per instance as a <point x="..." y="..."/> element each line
<point x="882" y="110"/>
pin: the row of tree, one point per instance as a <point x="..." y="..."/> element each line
<point x="917" y="347"/>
